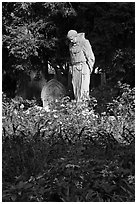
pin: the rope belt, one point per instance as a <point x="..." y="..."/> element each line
<point x="76" y="63"/>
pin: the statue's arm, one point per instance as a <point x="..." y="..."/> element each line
<point x="90" y="57"/>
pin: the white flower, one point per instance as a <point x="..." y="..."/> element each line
<point x="62" y="105"/>
<point x="21" y="106"/>
<point x="55" y="116"/>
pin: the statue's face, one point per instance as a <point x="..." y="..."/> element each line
<point x="73" y="39"/>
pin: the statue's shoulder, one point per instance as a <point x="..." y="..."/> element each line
<point x="81" y="38"/>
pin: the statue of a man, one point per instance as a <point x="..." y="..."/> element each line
<point x="82" y="61"/>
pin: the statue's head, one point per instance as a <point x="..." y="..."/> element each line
<point x="72" y="36"/>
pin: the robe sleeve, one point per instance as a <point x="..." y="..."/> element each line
<point x="89" y="55"/>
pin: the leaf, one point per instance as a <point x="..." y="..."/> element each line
<point x="28" y="185"/>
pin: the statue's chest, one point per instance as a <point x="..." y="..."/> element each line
<point x="75" y="49"/>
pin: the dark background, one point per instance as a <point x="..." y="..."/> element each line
<point x="34" y="34"/>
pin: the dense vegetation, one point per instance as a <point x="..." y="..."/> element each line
<point x="75" y="152"/>
<point x="71" y="153"/>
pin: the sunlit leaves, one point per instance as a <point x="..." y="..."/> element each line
<point x="28" y="27"/>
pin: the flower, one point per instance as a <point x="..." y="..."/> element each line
<point x="55" y="116"/>
<point x="22" y="106"/>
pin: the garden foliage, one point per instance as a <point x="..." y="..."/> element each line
<point x="70" y="153"/>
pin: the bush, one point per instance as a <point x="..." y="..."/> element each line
<point x="69" y="154"/>
<point x="123" y="66"/>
